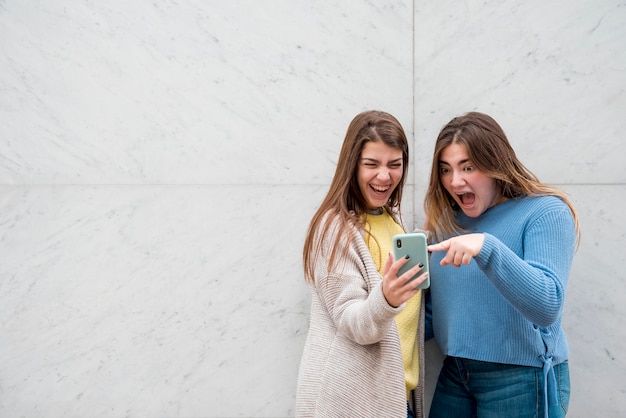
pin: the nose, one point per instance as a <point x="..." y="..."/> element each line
<point x="456" y="178"/>
<point x="384" y="174"/>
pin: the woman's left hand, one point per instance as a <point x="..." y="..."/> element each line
<point x="460" y="249"/>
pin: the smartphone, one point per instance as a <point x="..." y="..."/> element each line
<point x="414" y="245"/>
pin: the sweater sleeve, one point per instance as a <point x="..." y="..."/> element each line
<point x="352" y="294"/>
<point x="534" y="283"/>
<point x="363" y="318"/>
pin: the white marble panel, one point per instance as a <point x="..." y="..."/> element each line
<point x="193" y="92"/>
<point x="122" y="296"/>
<point x="152" y="301"/>
<point x="594" y="315"/>
<point x="552" y="73"/>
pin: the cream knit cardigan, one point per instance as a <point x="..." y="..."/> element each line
<point x="352" y="362"/>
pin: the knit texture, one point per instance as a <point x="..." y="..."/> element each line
<point x="506" y="306"/>
<point x="383" y="227"/>
<point x="352" y="362"/>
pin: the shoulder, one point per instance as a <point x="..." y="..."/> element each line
<point x="334" y="229"/>
<point x="541" y="210"/>
<point x="329" y="220"/>
<point x="334" y="223"/>
<point x="538" y="204"/>
<point x="547" y="202"/>
<point x="528" y="210"/>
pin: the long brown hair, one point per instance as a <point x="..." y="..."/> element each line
<point x="490" y="152"/>
<point x="344" y="199"/>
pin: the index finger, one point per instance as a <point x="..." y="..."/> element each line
<point x="396" y="265"/>
<point x="442" y="246"/>
<point x="389" y="263"/>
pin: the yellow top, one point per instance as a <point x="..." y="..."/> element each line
<point x="379" y="232"/>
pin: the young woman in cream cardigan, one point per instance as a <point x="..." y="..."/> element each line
<point x="364" y="350"/>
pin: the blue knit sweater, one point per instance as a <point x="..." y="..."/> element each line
<point x="506" y="306"/>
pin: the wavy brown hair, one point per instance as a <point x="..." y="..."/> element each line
<point x="490" y="152"/>
<point x="344" y="200"/>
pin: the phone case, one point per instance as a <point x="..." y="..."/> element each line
<point x="413" y="244"/>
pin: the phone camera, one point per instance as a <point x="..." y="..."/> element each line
<point x="399" y="243"/>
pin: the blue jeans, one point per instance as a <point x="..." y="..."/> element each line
<point x="478" y="389"/>
<point x="409" y="411"/>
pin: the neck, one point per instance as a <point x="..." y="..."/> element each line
<point x="377" y="211"/>
<point x="499" y="199"/>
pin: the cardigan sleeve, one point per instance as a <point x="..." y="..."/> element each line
<point x="351" y="292"/>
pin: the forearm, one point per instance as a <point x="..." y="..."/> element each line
<point x="535" y="284"/>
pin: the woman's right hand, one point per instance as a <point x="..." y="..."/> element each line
<point x="397" y="289"/>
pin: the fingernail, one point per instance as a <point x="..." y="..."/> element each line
<point x="421" y="265"/>
<point x="407" y="256"/>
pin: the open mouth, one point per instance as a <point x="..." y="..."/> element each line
<point x="466" y="199"/>
<point x="379" y="190"/>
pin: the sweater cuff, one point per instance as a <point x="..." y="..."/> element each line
<point x="382" y="308"/>
<point x="489" y="245"/>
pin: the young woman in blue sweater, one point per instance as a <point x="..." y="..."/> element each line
<point x="500" y="263"/>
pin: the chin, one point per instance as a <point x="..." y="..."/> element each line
<point x="473" y="213"/>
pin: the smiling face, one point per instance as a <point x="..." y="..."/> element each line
<point x="379" y="172"/>
<point x="472" y="189"/>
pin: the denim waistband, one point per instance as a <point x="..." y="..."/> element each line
<point x="549" y="379"/>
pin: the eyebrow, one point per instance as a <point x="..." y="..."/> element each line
<point x="467" y="160"/>
<point x="376" y="161"/>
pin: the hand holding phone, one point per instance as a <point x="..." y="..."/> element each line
<point x="415" y="246"/>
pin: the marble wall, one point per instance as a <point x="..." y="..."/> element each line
<point x="160" y="160"/>
<point x="554" y="75"/>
